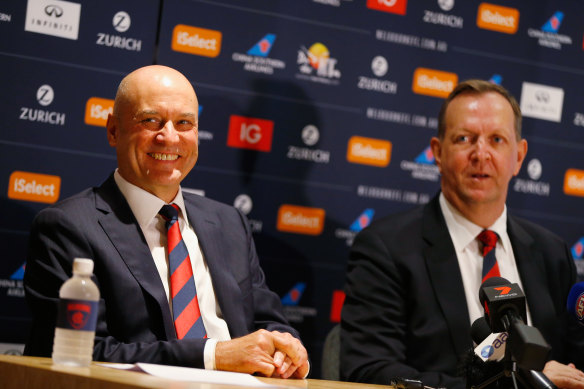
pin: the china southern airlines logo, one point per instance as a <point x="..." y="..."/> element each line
<point x="363" y="220"/>
<point x="294" y="295"/>
<point x="18" y="274"/>
<point x="13" y="286"/>
<point x="553" y="24"/>
<point x="496" y="79"/>
<point x="263" y="47"/>
<point x="256" y="59"/>
<point x="578" y="249"/>
<point x="426" y="156"/>
<point x="548" y="35"/>
<point x="422" y="167"/>
<point x="293" y="312"/>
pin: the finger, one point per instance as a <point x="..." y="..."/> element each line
<point x="285" y="366"/>
<point x="301" y="371"/>
<point x="290" y="346"/>
<point x="289" y="371"/>
<point x="279" y="357"/>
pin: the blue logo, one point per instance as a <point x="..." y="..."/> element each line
<point x="19" y="274"/>
<point x="263" y="47"/>
<point x="496" y="79"/>
<point x="293" y="296"/>
<point x="363" y="220"/>
<point x="578" y="249"/>
<point x="553" y="24"/>
<point x="425" y="157"/>
<point x="487" y="351"/>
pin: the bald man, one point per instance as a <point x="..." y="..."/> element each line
<point x="154" y="129"/>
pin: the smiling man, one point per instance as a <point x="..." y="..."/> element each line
<point x="413" y="279"/>
<point x="211" y="308"/>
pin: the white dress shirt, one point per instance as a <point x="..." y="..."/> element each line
<point x="145" y="207"/>
<point x="463" y="233"/>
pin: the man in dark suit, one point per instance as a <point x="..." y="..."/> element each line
<point x="154" y="128"/>
<point x="413" y="278"/>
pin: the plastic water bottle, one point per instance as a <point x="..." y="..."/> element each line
<point x="77" y="317"/>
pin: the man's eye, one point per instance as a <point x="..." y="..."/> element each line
<point x="462" y="139"/>
<point x="498" y="139"/>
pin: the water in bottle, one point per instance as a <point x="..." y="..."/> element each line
<point x="77" y="317"/>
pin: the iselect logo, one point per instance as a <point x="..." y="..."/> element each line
<point x="42" y="188"/>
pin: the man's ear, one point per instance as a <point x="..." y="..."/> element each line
<point x="521" y="153"/>
<point x="111" y="127"/>
<point x="436" y="147"/>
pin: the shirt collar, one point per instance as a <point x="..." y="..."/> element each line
<point x="145" y="205"/>
<point x="463" y="232"/>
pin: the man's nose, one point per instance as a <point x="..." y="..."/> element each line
<point x="168" y="133"/>
<point x="481" y="151"/>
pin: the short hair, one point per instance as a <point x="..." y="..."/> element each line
<point x="480" y="87"/>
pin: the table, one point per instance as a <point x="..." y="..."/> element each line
<point x="18" y="372"/>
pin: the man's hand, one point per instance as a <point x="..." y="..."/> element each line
<point x="564" y="376"/>
<point x="267" y="353"/>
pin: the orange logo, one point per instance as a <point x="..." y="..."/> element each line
<point x="41" y="188"/>
<point x="97" y="111"/>
<point x="434" y="83"/>
<point x="300" y="220"/>
<point x="392" y="6"/>
<point x="195" y="40"/>
<point x="498" y="18"/>
<point x="574" y="182"/>
<point x="369" y="151"/>
<point x="503" y="290"/>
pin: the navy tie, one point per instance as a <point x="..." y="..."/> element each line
<point x="490" y="266"/>
<point x="185" y="306"/>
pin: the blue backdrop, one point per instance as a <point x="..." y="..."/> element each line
<point x="315" y="118"/>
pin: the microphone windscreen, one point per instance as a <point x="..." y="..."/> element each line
<point x="493" y="281"/>
<point x="576" y="302"/>
<point x="480" y="330"/>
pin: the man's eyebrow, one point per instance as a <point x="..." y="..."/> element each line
<point x="147" y="112"/>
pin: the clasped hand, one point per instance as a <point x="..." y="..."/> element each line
<point x="271" y="354"/>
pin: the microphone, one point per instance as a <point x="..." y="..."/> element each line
<point x="576" y="302"/>
<point x="505" y="310"/>
<point x="491" y="348"/>
<point x="504" y="303"/>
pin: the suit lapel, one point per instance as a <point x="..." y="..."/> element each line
<point x="445" y="276"/>
<point x="530" y="264"/>
<point x="209" y="232"/>
<point x="122" y="229"/>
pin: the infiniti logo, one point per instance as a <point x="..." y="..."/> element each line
<point x="542" y="96"/>
<point x="45" y="95"/>
<point x="54" y="10"/>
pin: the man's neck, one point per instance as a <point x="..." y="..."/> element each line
<point x="481" y="214"/>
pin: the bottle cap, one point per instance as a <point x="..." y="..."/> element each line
<point x="83" y="266"/>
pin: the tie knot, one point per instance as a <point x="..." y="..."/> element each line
<point x="169" y="212"/>
<point x="488" y="238"/>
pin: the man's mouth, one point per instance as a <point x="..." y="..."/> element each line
<point x="164" y="157"/>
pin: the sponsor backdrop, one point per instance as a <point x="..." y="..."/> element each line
<point x="315" y="118"/>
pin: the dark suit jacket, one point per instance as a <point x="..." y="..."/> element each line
<point x="134" y="322"/>
<point x="405" y="314"/>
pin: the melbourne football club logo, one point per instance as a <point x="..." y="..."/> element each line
<point x="78" y="315"/>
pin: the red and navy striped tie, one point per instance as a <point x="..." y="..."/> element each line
<point x="185" y="306"/>
<point x="490" y="266"/>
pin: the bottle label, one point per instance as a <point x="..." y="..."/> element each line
<point x="77" y="314"/>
